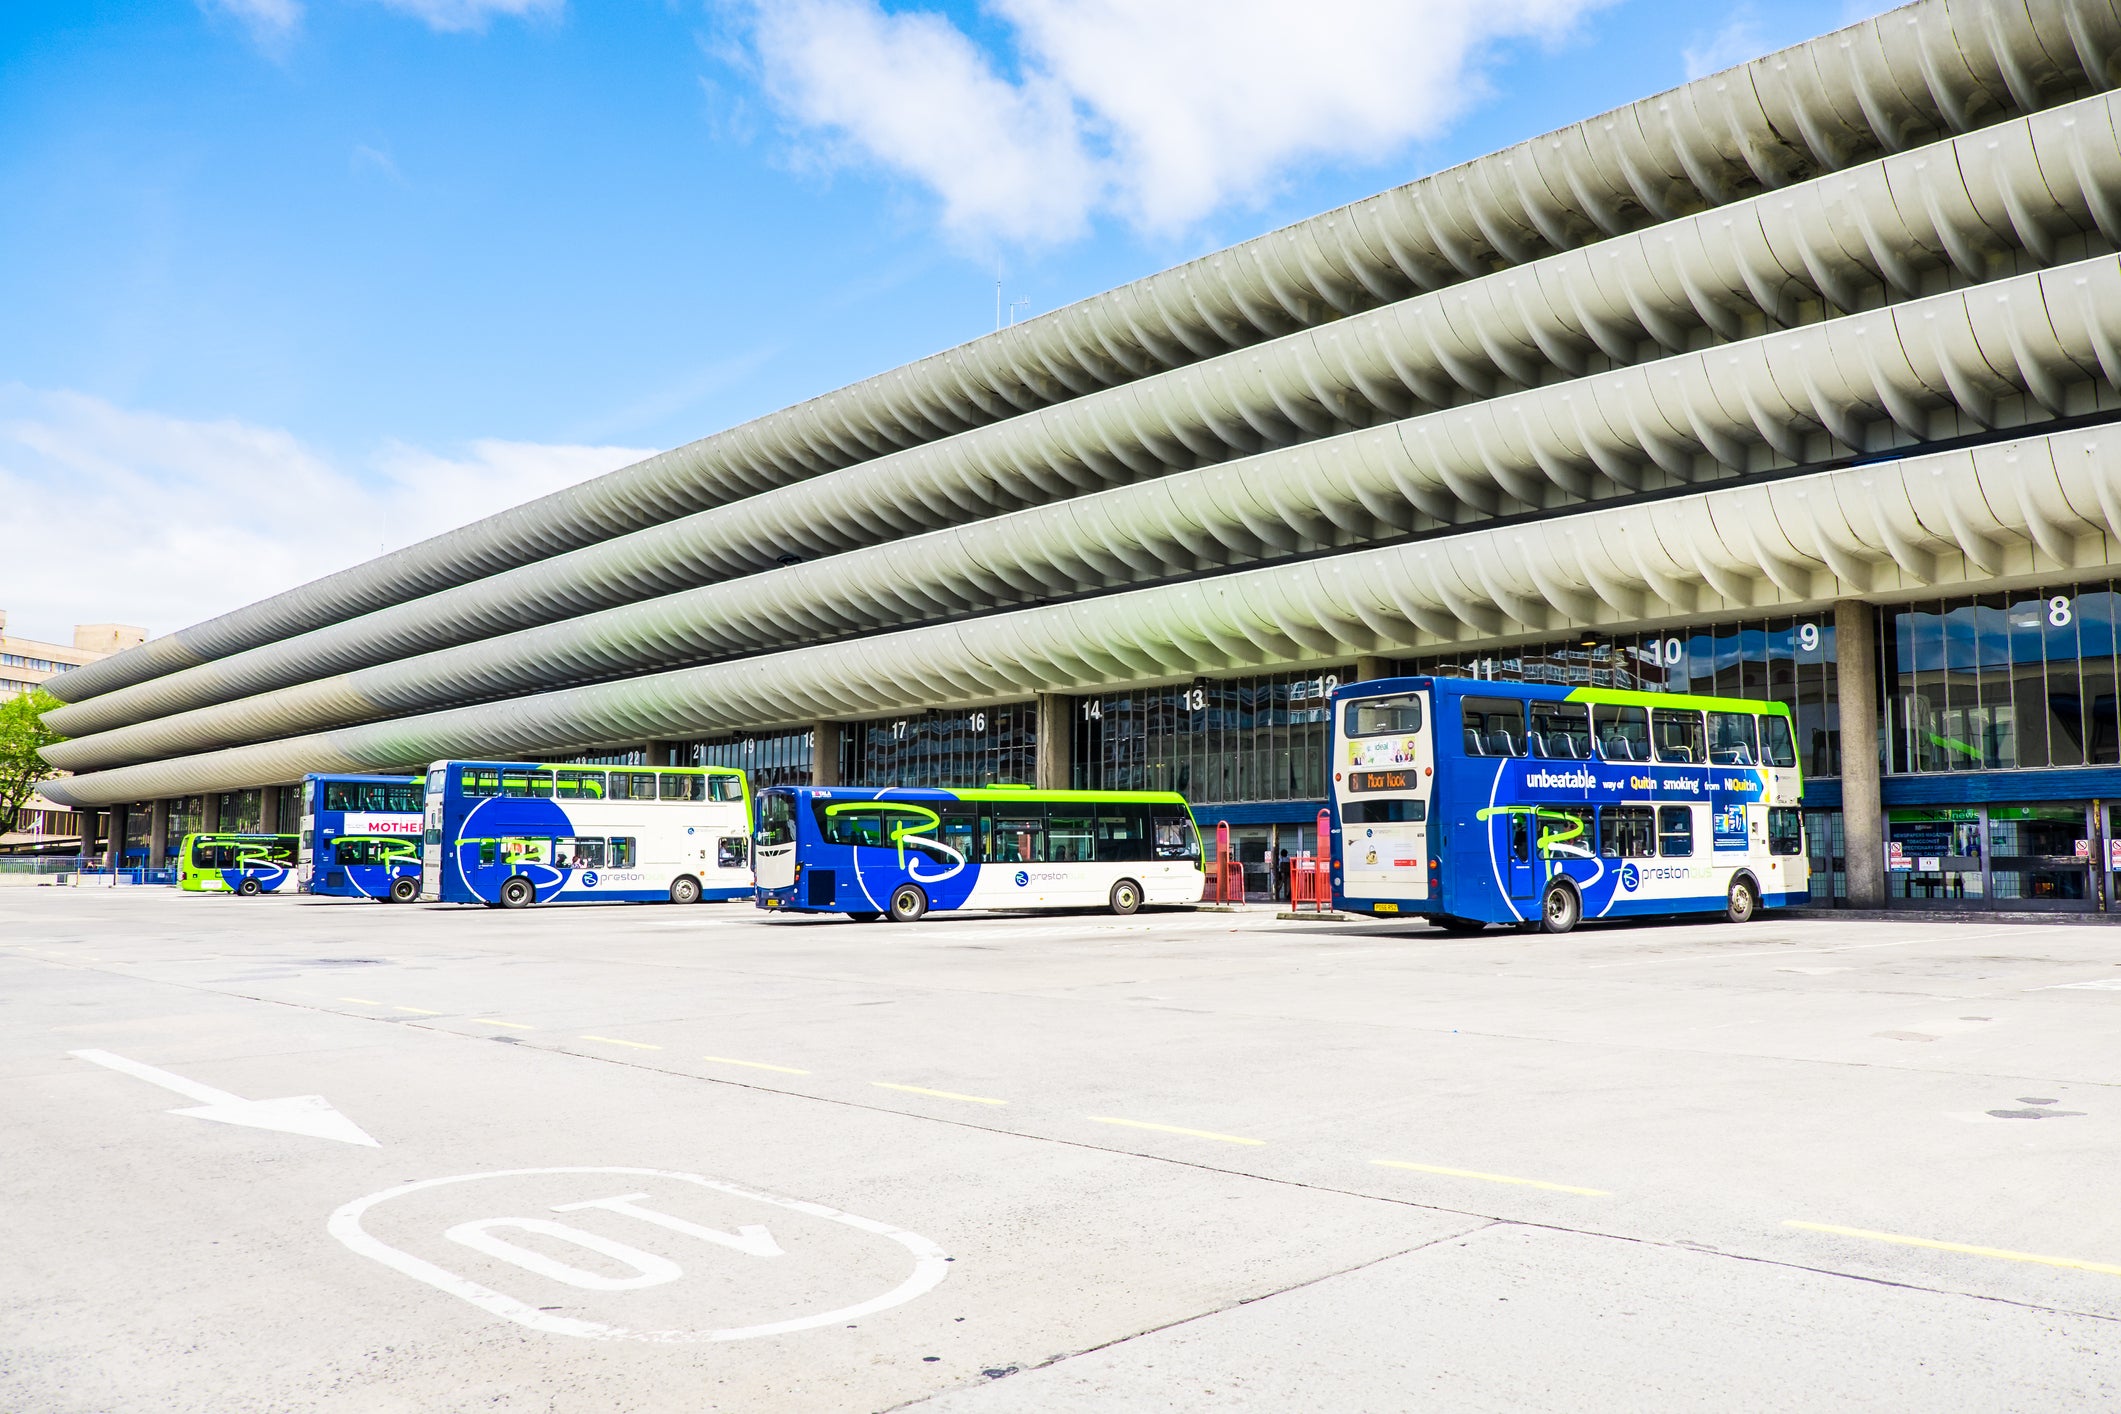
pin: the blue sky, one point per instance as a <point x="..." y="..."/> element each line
<point x="285" y="282"/>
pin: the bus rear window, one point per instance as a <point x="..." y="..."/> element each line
<point x="1385" y="812"/>
<point x="1780" y="748"/>
<point x="1382" y="716"/>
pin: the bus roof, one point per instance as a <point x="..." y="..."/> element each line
<point x="571" y="766"/>
<point x="1562" y="692"/>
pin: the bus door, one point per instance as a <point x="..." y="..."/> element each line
<point x="1524" y="877"/>
<point x="1384" y="781"/>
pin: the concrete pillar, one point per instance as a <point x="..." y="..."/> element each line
<point x="269" y="810"/>
<point x="1056" y="741"/>
<point x="117" y="835"/>
<point x="1369" y="667"/>
<point x="666" y="753"/>
<point x="88" y="832"/>
<point x="825" y="738"/>
<point x="1862" y="809"/>
<point x="210" y="813"/>
<point x="157" y="834"/>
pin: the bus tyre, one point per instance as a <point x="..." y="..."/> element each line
<point x="1126" y="897"/>
<point x="1452" y="923"/>
<point x="250" y="888"/>
<point x="404" y="890"/>
<point x="1559" y="909"/>
<point x="685" y="889"/>
<point x="1743" y="903"/>
<point x="518" y="893"/>
<point x="865" y="917"/>
<point x="908" y="903"/>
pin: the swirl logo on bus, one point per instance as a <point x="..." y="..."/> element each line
<point x="1023" y="878"/>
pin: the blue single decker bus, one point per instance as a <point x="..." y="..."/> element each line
<point x="1471" y="802"/>
<point x="361" y="836"/>
<point x="509" y="834"/>
<point x="901" y="852"/>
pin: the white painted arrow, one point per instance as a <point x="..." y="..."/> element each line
<point x="297" y="1114"/>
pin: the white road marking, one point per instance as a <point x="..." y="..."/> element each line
<point x="297" y="1114"/>
<point x="2104" y="984"/>
<point x="930" y="1266"/>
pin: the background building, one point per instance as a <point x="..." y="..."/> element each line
<point x="46" y="826"/>
<point x="1797" y="381"/>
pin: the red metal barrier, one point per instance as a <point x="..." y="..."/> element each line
<point x="1226" y="876"/>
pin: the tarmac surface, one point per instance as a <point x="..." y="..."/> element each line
<point x="278" y="1154"/>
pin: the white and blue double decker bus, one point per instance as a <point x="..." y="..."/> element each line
<point x="903" y="852"/>
<point x="1472" y="802"/>
<point x="510" y="834"/>
<point x="361" y="836"/>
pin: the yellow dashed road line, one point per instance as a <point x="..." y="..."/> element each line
<point x="1493" y="1178"/>
<point x="754" y="1065"/>
<point x="938" y="1094"/>
<point x="2005" y="1254"/>
<point x="361" y="1001"/>
<point x="511" y="1025"/>
<point x="615" y="1041"/>
<point x="416" y="1010"/>
<point x="1173" y="1129"/>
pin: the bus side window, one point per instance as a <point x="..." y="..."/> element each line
<point x="1623" y="732"/>
<point x="1779" y="748"/>
<point x="1731" y="739"/>
<point x="643" y="785"/>
<point x="672" y="785"/>
<point x="1675" y="831"/>
<point x="1175" y="837"/>
<point x="579" y="785"/>
<point x="1520" y="839"/>
<point x="1785" y="826"/>
<point x="622" y="854"/>
<point x="1494" y="726"/>
<point x="1122" y="833"/>
<point x="1626" y="832"/>
<point x="1070" y="839"/>
<point x="589" y="854"/>
<point x="1561" y="730"/>
<point x="1019" y="836"/>
<point x="1679" y="738"/>
<point x="351" y="852"/>
<point x="725" y="788"/>
<point x="957" y="831"/>
<point x="478" y="785"/>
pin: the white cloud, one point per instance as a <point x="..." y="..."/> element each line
<point x="458" y="15"/>
<point x="1160" y="111"/>
<point x="269" y="21"/>
<point x="1739" y="41"/>
<point x="134" y="517"/>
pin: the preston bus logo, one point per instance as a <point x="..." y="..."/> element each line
<point x="1630" y="877"/>
<point x="589" y="880"/>
<point x="1023" y="878"/>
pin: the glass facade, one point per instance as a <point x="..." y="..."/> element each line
<point x="1262" y="738"/>
<point x="242" y="811"/>
<point x="1787" y="660"/>
<point x="975" y="746"/>
<point x="2002" y="681"/>
<point x="186" y="814"/>
<point x="781" y="759"/>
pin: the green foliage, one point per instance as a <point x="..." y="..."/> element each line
<point x="22" y="734"/>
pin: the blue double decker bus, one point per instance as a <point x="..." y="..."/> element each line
<point x="510" y="834"/>
<point x="361" y="837"/>
<point x="902" y="852"/>
<point x="1471" y="802"/>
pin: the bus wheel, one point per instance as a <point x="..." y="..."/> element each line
<point x="1560" y="909"/>
<point x="1126" y="897"/>
<point x="404" y="890"/>
<point x="250" y="888"/>
<point x="517" y="893"/>
<point x="865" y="917"/>
<point x="908" y="903"/>
<point x="1743" y="903"/>
<point x="685" y="889"/>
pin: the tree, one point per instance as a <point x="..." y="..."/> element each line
<point x="22" y="735"/>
